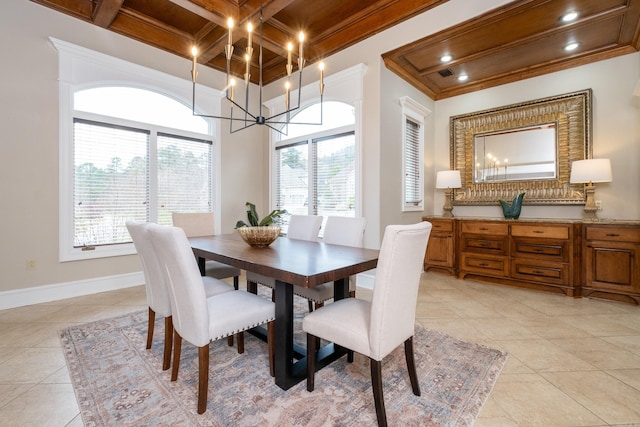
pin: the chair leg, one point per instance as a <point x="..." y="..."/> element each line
<point x="271" y="339"/>
<point x="177" y="348"/>
<point x="252" y="287"/>
<point x="168" y="342"/>
<point x="352" y="294"/>
<point x="411" y="365"/>
<point x="312" y="348"/>
<point x="376" y="383"/>
<point x="273" y="295"/>
<point x="203" y="377"/>
<point x="310" y="305"/>
<point x="236" y="282"/>
<point x="240" y="342"/>
<point x="230" y="340"/>
<point x="152" y="320"/>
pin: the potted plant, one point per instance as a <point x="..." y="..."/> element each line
<point x="260" y="233"/>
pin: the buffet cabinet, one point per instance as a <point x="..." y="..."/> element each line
<point x="538" y="254"/>
<point x="575" y="258"/>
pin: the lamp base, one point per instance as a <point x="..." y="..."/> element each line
<point x="590" y="207"/>
<point x="447" y="209"/>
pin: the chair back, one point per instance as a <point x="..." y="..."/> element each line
<point x="194" y="224"/>
<point x="345" y="231"/>
<point x="395" y="290"/>
<point x="304" y="227"/>
<point x="155" y="285"/>
<point x="186" y="291"/>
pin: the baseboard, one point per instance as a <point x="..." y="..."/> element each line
<point x="58" y="291"/>
<point x="366" y="279"/>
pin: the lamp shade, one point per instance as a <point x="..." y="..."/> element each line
<point x="448" y="179"/>
<point x="590" y="170"/>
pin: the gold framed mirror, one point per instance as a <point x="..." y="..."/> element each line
<point x="526" y="147"/>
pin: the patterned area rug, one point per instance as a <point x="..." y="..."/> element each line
<point x="118" y="382"/>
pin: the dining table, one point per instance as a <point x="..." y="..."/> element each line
<point x="291" y="263"/>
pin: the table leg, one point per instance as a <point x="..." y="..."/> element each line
<point x="289" y="373"/>
<point x="201" y="265"/>
<point x="284" y="335"/>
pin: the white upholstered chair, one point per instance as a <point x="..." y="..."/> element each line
<point x="339" y="230"/>
<point x="375" y="329"/>
<point x="200" y="319"/>
<point x="156" y="287"/>
<point x="301" y="227"/>
<point x="197" y="224"/>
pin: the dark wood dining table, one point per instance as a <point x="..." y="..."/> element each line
<point x="291" y="263"/>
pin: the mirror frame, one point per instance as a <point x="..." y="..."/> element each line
<point x="570" y="112"/>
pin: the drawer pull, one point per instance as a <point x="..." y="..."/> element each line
<point x="483" y="264"/>
<point x="613" y="235"/>
<point x="484" y="229"/>
<point x="538" y="232"/>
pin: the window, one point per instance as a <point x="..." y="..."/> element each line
<point x="116" y="176"/>
<point x="316" y="174"/>
<point x="129" y="150"/>
<point x="413" y="115"/>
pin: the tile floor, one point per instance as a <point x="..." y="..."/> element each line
<point x="573" y="362"/>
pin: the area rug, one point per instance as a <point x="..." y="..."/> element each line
<point x="120" y="383"/>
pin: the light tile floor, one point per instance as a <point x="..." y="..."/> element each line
<point x="572" y="362"/>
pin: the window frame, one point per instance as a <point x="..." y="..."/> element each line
<point x="80" y="68"/>
<point x="416" y="113"/>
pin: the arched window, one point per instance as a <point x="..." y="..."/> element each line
<point x="130" y="149"/>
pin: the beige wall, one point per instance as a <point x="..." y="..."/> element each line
<point x="29" y="124"/>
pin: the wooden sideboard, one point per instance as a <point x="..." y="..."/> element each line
<point x="575" y="258"/>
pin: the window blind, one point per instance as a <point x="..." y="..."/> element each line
<point x="334" y="188"/>
<point x="110" y="181"/>
<point x="412" y="164"/>
<point x="179" y="191"/>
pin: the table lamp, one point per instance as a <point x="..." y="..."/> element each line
<point x="448" y="180"/>
<point x="587" y="172"/>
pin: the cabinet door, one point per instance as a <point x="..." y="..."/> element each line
<point x="613" y="266"/>
<point x="440" y="250"/>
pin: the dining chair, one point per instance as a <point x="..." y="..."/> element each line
<point x="200" y="319"/>
<point x="301" y="227"/>
<point x="198" y="224"/>
<point x="376" y="328"/>
<point x="156" y="287"/>
<point x="339" y="230"/>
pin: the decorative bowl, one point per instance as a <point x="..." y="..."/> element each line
<point x="259" y="237"/>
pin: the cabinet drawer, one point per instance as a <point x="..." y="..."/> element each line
<point x="539" y="271"/>
<point x="441" y="225"/>
<point x="540" y="231"/>
<point x="618" y="234"/>
<point x="496" y="228"/>
<point x="556" y="250"/>
<point x="486" y="265"/>
<point x="484" y="244"/>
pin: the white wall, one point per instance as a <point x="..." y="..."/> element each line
<point x="29" y="125"/>
<point x="616" y="132"/>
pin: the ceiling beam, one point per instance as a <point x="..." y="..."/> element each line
<point x="105" y="12"/>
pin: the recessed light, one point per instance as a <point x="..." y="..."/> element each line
<point x="568" y="17"/>
<point x="462" y="77"/>
<point x="571" y="46"/>
<point x="446" y="58"/>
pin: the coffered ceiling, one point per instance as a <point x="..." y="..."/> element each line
<point x="522" y="39"/>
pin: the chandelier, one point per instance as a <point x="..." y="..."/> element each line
<point x="245" y="118"/>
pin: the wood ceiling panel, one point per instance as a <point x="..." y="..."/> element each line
<point x="523" y="38"/>
<point x="520" y="39"/>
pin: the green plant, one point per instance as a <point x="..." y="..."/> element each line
<point x="253" y="218"/>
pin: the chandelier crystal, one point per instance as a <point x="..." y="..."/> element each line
<point x="245" y="117"/>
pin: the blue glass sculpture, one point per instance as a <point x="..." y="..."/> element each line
<point x="511" y="210"/>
